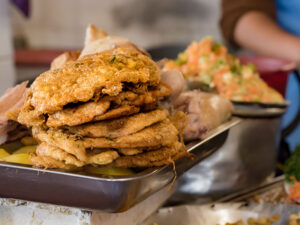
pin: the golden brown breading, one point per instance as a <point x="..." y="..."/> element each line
<point x="124" y="110"/>
<point x="180" y="154"/>
<point x="28" y="140"/>
<point x="103" y="158"/>
<point x="152" y="158"/>
<point x="50" y="163"/>
<point x="45" y="149"/>
<point x="57" y="138"/>
<point x="93" y="111"/>
<point x="179" y="119"/>
<point x="130" y="151"/>
<point x="61" y="118"/>
<point x="141" y="98"/>
<point x="101" y="106"/>
<point x="29" y="117"/>
<point x="76" y="115"/>
<point x="13" y="115"/>
<point x="161" y="134"/>
<point x="78" y="81"/>
<point x="122" y="126"/>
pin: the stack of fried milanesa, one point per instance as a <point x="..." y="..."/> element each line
<point x="100" y="109"/>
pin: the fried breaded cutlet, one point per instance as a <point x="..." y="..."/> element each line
<point x="72" y="116"/>
<point x="128" y="103"/>
<point x="124" y="110"/>
<point x="101" y="107"/>
<point x="122" y="126"/>
<point x="50" y="163"/>
<point x="47" y="150"/>
<point x="151" y="158"/>
<point x="52" y="157"/>
<point x="78" y="81"/>
<point x="160" y="134"/>
<point x="104" y="157"/>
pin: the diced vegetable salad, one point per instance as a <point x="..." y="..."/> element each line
<point x="209" y="63"/>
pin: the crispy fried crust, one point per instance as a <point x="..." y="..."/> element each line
<point x="13" y="115"/>
<point x="161" y="134"/>
<point x="128" y="102"/>
<point x="50" y="163"/>
<point x="56" y="137"/>
<point x="30" y="117"/>
<point x="89" y="108"/>
<point x="120" y="127"/>
<point x="103" y="158"/>
<point x="142" y="98"/>
<point x="79" y="80"/>
<point x="179" y="119"/>
<point x="180" y="154"/>
<point x="161" y="156"/>
<point x="47" y="150"/>
<point x="130" y="151"/>
<point x="78" y="115"/>
<point x="124" y="110"/>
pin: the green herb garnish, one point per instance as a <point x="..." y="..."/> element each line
<point x="252" y="67"/>
<point x="216" y="48"/>
<point x="292" y="166"/>
<point x="182" y="59"/>
<point x="113" y="59"/>
<point x="234" y="69"/>
<point x="78" y="64"/>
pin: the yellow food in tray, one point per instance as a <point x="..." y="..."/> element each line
<point x="3" y="153"/>
<point x="209" y="64"/>
<point x="26" y="149"/>
<point x="109" y="171"/>
<point x="22" y="156"/>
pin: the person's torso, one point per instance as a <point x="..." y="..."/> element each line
<point x="288" y="15"/>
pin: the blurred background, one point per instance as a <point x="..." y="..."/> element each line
<point x="34" y="32"/>
<point x="56" y="25"/>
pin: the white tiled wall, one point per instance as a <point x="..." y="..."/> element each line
<point x="61" y="23"/>
<point x="7" y="72"/>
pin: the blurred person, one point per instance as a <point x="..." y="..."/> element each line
<point x="267" y="28"/>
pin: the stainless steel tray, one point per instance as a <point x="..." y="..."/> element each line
<point x="114" y="194"/>
<point x="283" y="104"/>
<point x="259" y="110"/>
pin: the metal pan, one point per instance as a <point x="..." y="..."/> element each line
<point x="259" y="110"/>
<point x="242" y="108"/>
<point x="283" y="104"/>
<point x="113" y="194"/>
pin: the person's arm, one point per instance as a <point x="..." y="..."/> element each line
<point x="251" y="24"/>
<point x="258" y="33"/>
